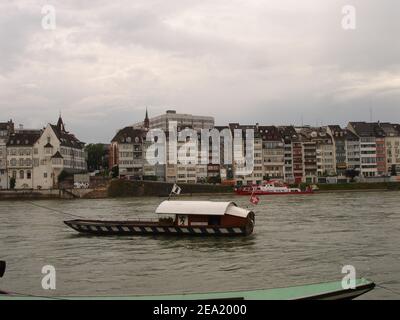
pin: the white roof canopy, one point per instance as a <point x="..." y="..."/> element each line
<point x="201" y="208"/>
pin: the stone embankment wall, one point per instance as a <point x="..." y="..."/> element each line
<point x="124" y="188"/>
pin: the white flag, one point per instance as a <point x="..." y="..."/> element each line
<point x="176" y="189"/>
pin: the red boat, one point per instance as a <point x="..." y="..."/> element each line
<point x="272" y="187"/>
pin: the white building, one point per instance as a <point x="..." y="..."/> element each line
<point x="20" y="158"/>
<point x="353" y="160"/>
<point x="6" y="128"/>
<point x="273" y="152"/>
<point x="55" y="151"/>
<point x="289" y="135"/>
<point x="128" y="151"/>
<point x="368" y="153"/>
<point x="181" y="172"/>
<point x="392" y="147"/>
<point x="183" y="120"/>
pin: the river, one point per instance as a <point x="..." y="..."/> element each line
<point x="297" y="240"/>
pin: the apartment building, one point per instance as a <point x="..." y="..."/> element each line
<point x="6" y="128"/>
<point x="273" y="152"/>
<point x="128" y="153"/>
<point x="326" y="155"/>
<point x="183" y="120"/>
<point x="289" y="137"/>
<point x="257" y="175"/>
<point x="353" y="157"/>
<point x="20" y="158"/>
<point x="368" y="136"/>
<point x="309" y="152"/>
<point x="338" y="136"/>
<point x="392" y="147"/>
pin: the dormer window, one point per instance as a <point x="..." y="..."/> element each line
<point x="48" y="148"/>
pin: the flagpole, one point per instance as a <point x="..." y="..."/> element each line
<point x="251" y="196"/>
<point x="172" y="191"/>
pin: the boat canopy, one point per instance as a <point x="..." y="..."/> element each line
<point x="201" y="208"/>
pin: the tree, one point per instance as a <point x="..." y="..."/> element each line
<point x="97" y="156"/>
<point x="115" y="172"/>
<point x="229" y="173"/>
<point x="352" y="173"/>
<point x="214" y="180"/>
<point x="63" y="175"/>
<point x="12" y="183"/>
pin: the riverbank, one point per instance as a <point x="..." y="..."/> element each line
<point x="49" y="194"/>
<point x="123" y="188"/>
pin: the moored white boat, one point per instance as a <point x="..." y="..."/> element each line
<point x="271" y="187"/>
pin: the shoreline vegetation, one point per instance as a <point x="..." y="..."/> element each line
<point x="125" y="188"/>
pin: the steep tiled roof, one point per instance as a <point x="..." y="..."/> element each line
<point x="367" y="129"/>
<point x="9" y="126"/>
<point x="57" y="155"/>
<point x="21" y="139"/>
<point x="289" y="133"/>
<point x="350" y="135"/>
<point x="67" y="139"/>
<point x="389" y="129"/>
<point x="129" y="135"/>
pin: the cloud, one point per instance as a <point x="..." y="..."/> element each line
<point x="248" y="61"/>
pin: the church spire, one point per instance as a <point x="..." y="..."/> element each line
<point x="146" y="122"/>
<point x="60" y="123"/>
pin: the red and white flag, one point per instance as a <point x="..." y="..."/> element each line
<point x="254" y="199"/>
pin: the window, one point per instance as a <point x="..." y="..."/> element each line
<point x="21" y="174"/>
<point x="45" y="175"/>
<point x="28" y="174"/>
<point x="14" y="174"/>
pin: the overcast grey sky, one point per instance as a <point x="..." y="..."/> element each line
<point x="272" y="62"/>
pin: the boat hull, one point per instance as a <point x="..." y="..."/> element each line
<point x="127" y="229"/>
<point x="322" y="291"/>
<point x="264" y="193"/>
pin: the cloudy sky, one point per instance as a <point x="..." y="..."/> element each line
<point x="271" y="61"/>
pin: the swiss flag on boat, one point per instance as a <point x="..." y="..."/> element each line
<point x="254" y="199"/>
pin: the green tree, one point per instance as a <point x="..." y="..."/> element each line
<point x="115" y="172"/>
<point x="64" y="175"/>
<point x="96" y="156"/>
<point x="214" y="180"/>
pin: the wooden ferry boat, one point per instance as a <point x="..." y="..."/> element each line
<point x="178" y="218"/>
<point x="272" y="187"/>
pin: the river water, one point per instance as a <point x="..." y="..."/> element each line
<point x="297" y="240"/>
